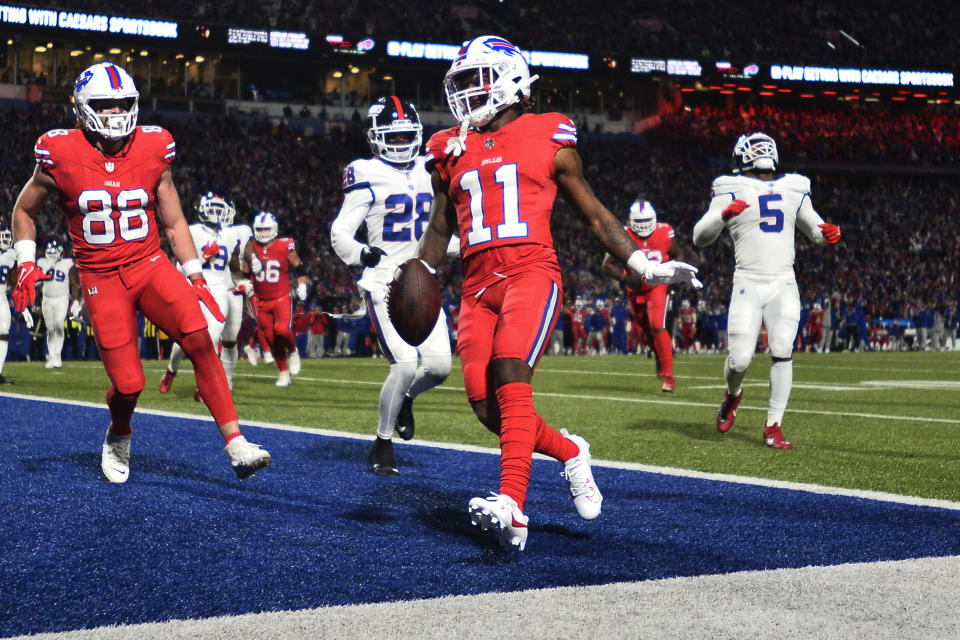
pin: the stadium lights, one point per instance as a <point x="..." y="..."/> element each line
<point x="144" y="53"/>
<point x="115" y="51"/>
<point x="388" y="78"/>
<point x="179" y="56"/>
<point x="199" y="59"/>
<point x="354" y="70"/>
<point x="76" y="52"/>
<point x="338" y="74"/>
<point x="39" y="48"/>
<point x="766" y="93"/>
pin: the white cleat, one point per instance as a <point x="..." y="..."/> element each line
<point x="293" y="362"/>
<point x="246" y="458"/>
<point x="283" y="380"/>
<point x="268" y="357"/>
<point x="53" y="363"/>
<point x="251" y="354"/>
<point x="500" y="514"/>
<point x="586" y="496"/>
<point x="115" y="459"/>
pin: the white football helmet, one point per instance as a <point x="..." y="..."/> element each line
<point x="53" y="251"/>
<point x="685" y="304"/>
<point x="755" y="152"/>
<point x="105" y="81"/>
<point x="390" y="117"/>
<point x="212" y="210"/>
<point x="488" y="75"/>
<point x="228" y="214"/>
<point x="264" y="227"/>
<point x="643" y="218"/>
<point x="6" y="239"/>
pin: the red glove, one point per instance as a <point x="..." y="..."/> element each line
<point x="211" y="251"/>
<point x="733" y="209"/>
<point x="203" y="294"/>
<point x="831" y="232"/>
<point x="25" y="293"/>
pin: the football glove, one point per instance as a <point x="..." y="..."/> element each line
<point x="256" y="267"/>
<point x="302" y="291"/>
<point x="211" y="251"/>
<point x="671" y="272"/>
<point x="733" y="209"/>
<point x="27" y="319"/>
<point x="25" y="293"/>
<point x="203" y="295"/>
<point x="76" y="310"/>
<point x="243" y="287"/>
<point x="831" y="233"/>
<point x="370" y="256"/>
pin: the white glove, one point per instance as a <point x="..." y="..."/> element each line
<point x="76" y="311"/>
<point x="28" y="319"/>
<point x="671" y="272"/>
<point x="256" y="267"/>
<point x="458" y="144"/>
<point x="302" y="290"/>
<point x="243" y="287"/>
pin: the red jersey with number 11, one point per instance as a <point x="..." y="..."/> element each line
<point x="503" y="187"/>
<point x="108" y="199"/>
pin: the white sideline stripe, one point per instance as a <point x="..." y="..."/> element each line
<point x="612" y="464"/>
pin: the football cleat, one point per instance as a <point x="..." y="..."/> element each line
<point x="728" y="411"/>
<point x="773" y="437"/>
<point x="405" y="424"/>
<point x="4" y="380"/>
<point x="586" y="496"/>
<point x="251" y="354"/>
<point x="669" y="384"/>
<point x="115" y="458"/>
<point x="246" y="458"/>
<point x="167" y="380"/>
<point x="499" y="513"/>
<point x="196" y="396"/>
<point x="283" y="380"/>
<point x="381" y="457"/>
<point x="293" y="361"/>
<point x="268" y="357"/>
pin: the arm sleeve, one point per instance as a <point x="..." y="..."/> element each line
<point x="344" y="227"/>
<point x="711" y="224"/>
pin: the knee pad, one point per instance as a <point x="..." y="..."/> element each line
<point x="739" y="361"/>
<point x="438" y="366"/>
<point x="781" y="349"/>
<point x="195" y="343"/>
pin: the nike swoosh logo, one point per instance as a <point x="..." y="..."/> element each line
<point x="154" y="258"/>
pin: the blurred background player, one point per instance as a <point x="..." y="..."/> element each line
<point x="268" y="261"/>
<point x="495" y="180"/>
<point x="8" y="258"/>
<point x="648" y="302"/>
<point x="215" y="241"/>
<point x="761" y="210"/>
<point x="391" y="194"/>
<point x="122" y="267"/>
<point x="58" y="290"/>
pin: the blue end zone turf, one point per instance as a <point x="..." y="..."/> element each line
<point x="184" y="539"/>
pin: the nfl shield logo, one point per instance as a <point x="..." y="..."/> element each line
<point x="108" y="166"/>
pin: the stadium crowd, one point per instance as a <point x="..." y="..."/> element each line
<point x="857" y="32"/>
<point x="899" y="259"/>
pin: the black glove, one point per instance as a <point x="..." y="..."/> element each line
<point x="370" y="256"/>
<point x="632" y="281"/>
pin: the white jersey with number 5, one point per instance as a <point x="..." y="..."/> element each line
<point x="763" y="234"/>
<point x="394" y="203"/>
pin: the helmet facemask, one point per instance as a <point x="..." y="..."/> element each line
<point x="6" y="239"/>
<point x="395" y="133"/>
<point x="213" y="211"/>
<point x="755" y="152"/>
<point x="643" y="218"/>
<point x="264" y="227"/>
<point x="53" y="251"/>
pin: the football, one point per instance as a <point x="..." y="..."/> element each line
<point x="413" y="302"/>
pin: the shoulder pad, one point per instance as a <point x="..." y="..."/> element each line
<point x="355" y="176"/>
<point x="45" y="149"/>
<point x="795" y="182"/>
<point x="437" y="144"/>
<point x="561" y="128"/>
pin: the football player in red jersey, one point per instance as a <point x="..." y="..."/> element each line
<point x="495" y="179"/>
<point x="113" y="180"/>
<point x="269" y="260"/>
<point x="649" y="302"/>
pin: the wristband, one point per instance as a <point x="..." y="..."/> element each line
<point x="191" y="267"/>
<point x="26" y="250"/>
<point x="638" y="262"/>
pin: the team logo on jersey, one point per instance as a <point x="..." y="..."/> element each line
<point x="109" y="166"/>
<point x="488" y="143"/>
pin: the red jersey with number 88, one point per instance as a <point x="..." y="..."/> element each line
<point x="503" y="187"/>
<point x="108" y="199"/>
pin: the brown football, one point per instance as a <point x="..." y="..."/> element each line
<point x="413" y="302"/>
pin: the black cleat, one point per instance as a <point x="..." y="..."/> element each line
<point x="404" y="425"/>
<point x="381" y="457"/>
<point x="9" y="381"/>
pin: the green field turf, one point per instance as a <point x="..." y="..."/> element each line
<point x="877" y="421"/>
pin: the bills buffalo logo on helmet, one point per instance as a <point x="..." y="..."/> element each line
<point x="501" y="45"/>
<point x="82" y="80"/>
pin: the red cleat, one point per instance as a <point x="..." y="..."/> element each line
<point x="669" y="384"/>
<point x="728" y="412"/>
<point x="773" y="437"/>
<point x="196" y="396"/>
<point x="167" y="380"/>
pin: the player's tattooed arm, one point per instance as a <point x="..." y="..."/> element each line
<point x="174" y="223"/>
<point x="35" y="192"/>
<point x="576" y="191"/>
<point x="443" y="222"/>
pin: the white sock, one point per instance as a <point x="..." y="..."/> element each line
<point x="781" y="380"/>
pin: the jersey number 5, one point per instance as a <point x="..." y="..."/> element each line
<point x="772" y="218"/>
<point x="99" y="228"/>
<point x="512" y="226"/>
